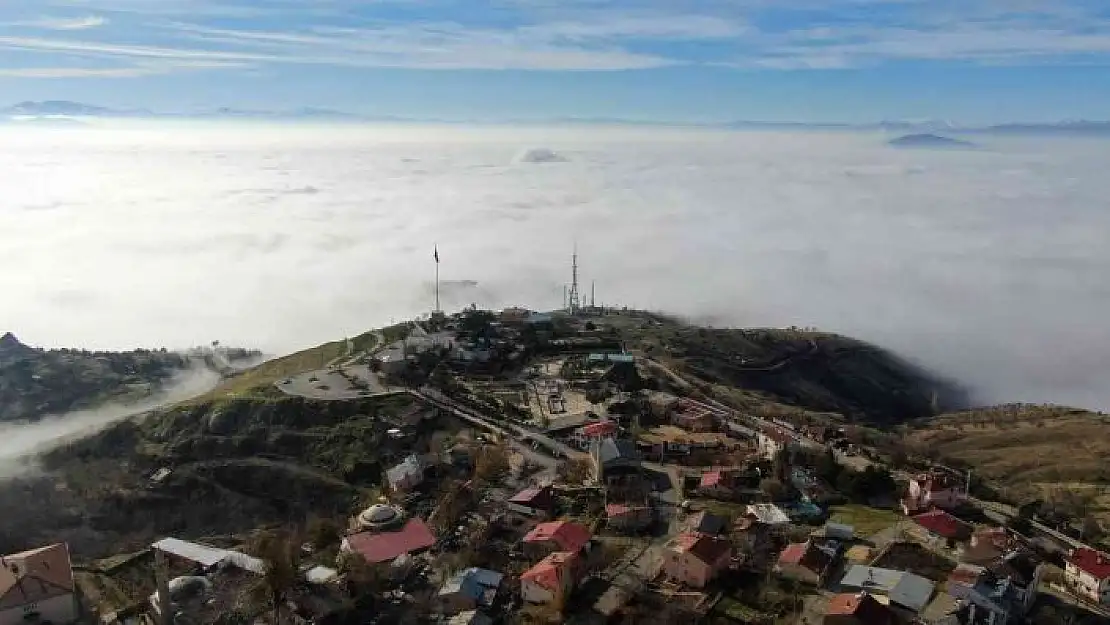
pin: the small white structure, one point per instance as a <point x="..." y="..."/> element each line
<point x="321" y="575"/>
<point x="407" y="475"/>
<point x="209" y="557"/>
<point x="768" y="514"/>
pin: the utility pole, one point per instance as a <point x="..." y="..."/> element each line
<point x="165" y="603"/>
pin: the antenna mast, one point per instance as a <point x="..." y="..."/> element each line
<point x="572" y="305"/>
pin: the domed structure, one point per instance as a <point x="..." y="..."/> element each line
<point x="380" y="516"/>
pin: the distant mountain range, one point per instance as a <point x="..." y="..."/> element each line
<point x="61" y="111"/>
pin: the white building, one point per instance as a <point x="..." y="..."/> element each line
<point x="1087" y="573"/>
<point x="37" y="586"/>
<point x="772" y="440"/>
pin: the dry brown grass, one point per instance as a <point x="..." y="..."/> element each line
<point x="269" y="372"/>
<point x="1028" y="450"/>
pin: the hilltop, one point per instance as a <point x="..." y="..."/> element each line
<point x="805" y="369"/>
<point x="928" y="140"/>
<point x="36" y="382"/>
<point x="248" y="454"/>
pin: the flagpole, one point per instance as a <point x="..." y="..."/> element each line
<point x="437" y="278"/>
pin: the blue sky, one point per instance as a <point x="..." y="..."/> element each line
<point x="692" y="60"/>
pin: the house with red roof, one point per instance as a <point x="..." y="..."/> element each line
<point x="1087" y="573"/>
<point x="537" y="503"/>
<point x="555" y="536"/>
<point x="37" y="586"/>
<point x="584" y="437"/>
<point x="624" y="517"/>
<point x="696" y="559"/>
<point x="858" y="609"/>
<point x="804" y="562"/>
<point x="940" y="527"/>
<point x="716" y="484"/>
<point x="552" y="579"/>
<point x="933" y="489"/>
<point x="378" y="547"/>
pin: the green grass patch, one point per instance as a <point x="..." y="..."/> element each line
<point x="730" y="509"/>
<point x="734" y="609"/>
<point x="865" y="519"/>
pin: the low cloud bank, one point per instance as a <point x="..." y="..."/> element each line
<point x="988" y="266"/>
<point x="19" y="442"/>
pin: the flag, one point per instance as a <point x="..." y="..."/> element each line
<point x="436" y="254"/>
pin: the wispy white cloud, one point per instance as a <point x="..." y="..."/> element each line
<point x="61" y="23"/>
<point x="588" y="34"/>
<point x="76" y="72"/>
<point x="420" y="46"/>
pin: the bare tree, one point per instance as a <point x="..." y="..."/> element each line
<point x="281" y="553"/>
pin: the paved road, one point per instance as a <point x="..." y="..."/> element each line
<point x="335" y="384"/>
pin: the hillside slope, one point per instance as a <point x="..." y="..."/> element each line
<point x="812" y="370"/>
<point x="37" y="382"/>
<point x="1028" y="451"/>
<point x="236" y="465"/>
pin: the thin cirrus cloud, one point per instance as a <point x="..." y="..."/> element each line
<point x="575" y="35"/>
<point x="56" y="23"/>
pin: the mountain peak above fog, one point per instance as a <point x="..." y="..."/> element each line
<point x="9" y="344"/>
<point x="928" y="140"/>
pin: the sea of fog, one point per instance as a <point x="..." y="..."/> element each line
<point x="988" y="265"/>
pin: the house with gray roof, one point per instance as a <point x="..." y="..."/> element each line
<point x="902" y="588"/>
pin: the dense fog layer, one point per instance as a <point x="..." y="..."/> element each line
<point x="987" y="265"/>
<point x="19" y="440"/>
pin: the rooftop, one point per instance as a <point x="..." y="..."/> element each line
<point x="1095" y="563"/>
<point x="470" y="617"/>
<point x="806" y="555"/>
<point x="533" y="497"/>
<point x="768" y="513"/>
<point x="708" y="549"/>
<point x="549" y="572"/>
<point x="863" y="606"/>
<point x="48" y="567"/>
<point x="473" y="583"/>
<point x="387" y="546"/>
<point x="706" y="522"/>
<point x="621" y="509"/>
<point x="901" y="587"/>
<point x="618" y="450"/>
<point x="569" y="536"/>
<point x="601" y="428"/>
<point x="710" y="479"/>
<point x="943" y="524"/>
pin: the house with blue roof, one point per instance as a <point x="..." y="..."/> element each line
<point x="469" y="589"/>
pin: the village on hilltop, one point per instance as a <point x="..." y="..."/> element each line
<point x="586" y="481"/>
